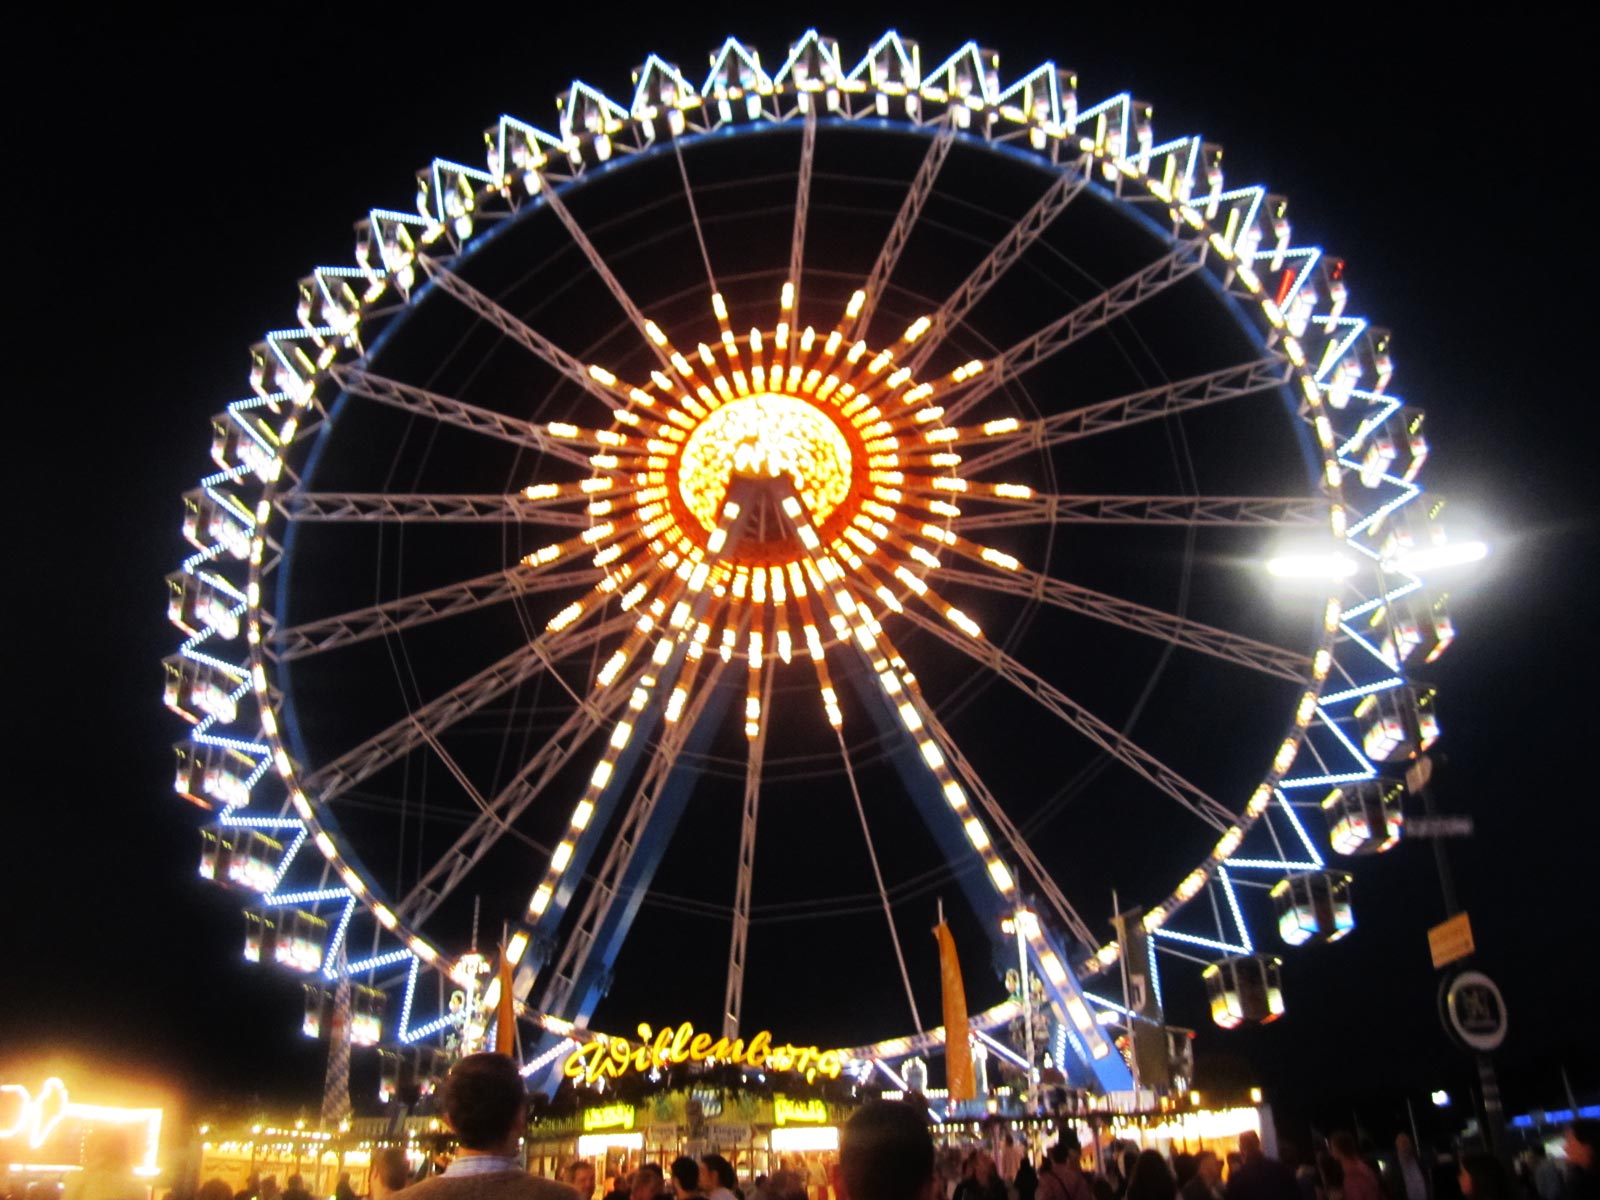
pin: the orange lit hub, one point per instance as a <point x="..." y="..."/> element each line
<point x="826" y="416"/>
<point x="768" y="435"/>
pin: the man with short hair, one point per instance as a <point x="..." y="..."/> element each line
<point x="580" y="1174"/>
<point x="486" y="1107"/>
<point x="885" y="1153"/>
<point x="296" y="1188"/>
<point x="1064" y="1180"/>
<point x="390" y="1171"/>
<point x="648" y="1182"/>
<point x="1257" y="1176"/>
<point x="685" y="1177"/>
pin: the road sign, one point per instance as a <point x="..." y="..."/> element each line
<point x="1474" y="1011"/>
<point x="1437" y="827"/>
<point x="1450" y="940"/>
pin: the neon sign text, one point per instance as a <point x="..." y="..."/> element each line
<point x="612" y="1057"/>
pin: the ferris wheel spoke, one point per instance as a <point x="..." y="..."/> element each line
<point x="1028" y="229"/>
<point x="1119" y="412"/>
<point x="496" y="817"/>
<point x="1012" y="837"/>
<point x="442" y="508"/>
<point x="905" y="220"/>
<point x="1182" y="261"/>
<point x="694" y="216"/>
<point x="405" y="735"/>
<point x="360" y="382"/>
<point x="286" y="643"/>
<point x="1152" y="622"/>
<point x="802" y="205"/>
<point x="1059" y="704"/>
<point x="733" y="998"/>
<point x="1040" y="508"/>
<point x="519" y="331"/>
<point x="598" y="264"/>
<point x="616" y="869"/>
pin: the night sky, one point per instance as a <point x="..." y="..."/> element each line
<point x="172" y="180"/>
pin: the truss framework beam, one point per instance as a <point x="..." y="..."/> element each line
<point x="1075" y="715"/>
<point x="1151" y="404"/>
<point x="1062" y="191"/>
<point x="904" y="222"/>
<point x="553" y="201"/>
<point x="519" y="331"/>
<point x="500" y="814"/>
<point x="1269" y="511"/>
<point x="1002" y="823"/>
<point x="405" y="735"/>
<point x="618" y="874"/>
<point x="733" y="998"/>
<point x="1152" y="622"/>
<point x="287" y="643"/>
<point x="450" y="411"/>
<point x="802" y="206"/>
<point x="440" y="507"/>
<point x="1182" y="261"/>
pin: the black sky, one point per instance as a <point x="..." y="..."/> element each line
<point x="171" y="179"/>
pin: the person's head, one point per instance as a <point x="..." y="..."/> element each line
<point x="580" y="1174"/>
<point x="716" y="1172"/>
<point x="648" y="1182"/>
<point x="297" y="1182"/>
<point x="1343" y="1144"/>
<point x="787" y="1184"/>
<point x="390" y="1171"/>
<point x="885" y="1153"/>
<point x="1209" y="1167"/>
<point x="1151" y="1179"/>
<point x="983" y="1167"/>
<point x="1583" y="1135"/>
<point x="269" y="1187"/>
<point x="214" y="1189"/>
<point x="685" y="1175"/>
<point x="1249" y="1144"/>
<point x="1066" y="1152"/>
<point x="1483" y="1178"/>
<point x="485" y="1103"/>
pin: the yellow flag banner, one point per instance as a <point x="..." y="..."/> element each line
<point x="505" y="1034"/>
<point x="957" y="1051"/>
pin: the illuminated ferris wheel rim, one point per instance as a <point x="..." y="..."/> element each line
<point x="1097" y="153"/>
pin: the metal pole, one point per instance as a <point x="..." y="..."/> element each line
<point x="1127" y="1008"/>
<point x="1488" y="1083"/>
<point x="1027" y="1006"/>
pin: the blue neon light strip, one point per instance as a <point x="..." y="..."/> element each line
<point x="1364" y="690"/>
<point x="1288" y="811"/>
<point x="1195" y="940"/>
<point x="1233" y="906"/>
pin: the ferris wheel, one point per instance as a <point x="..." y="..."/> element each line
<point x="864" y="459"/>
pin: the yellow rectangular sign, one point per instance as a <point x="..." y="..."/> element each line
<point x="1450" y="940"/>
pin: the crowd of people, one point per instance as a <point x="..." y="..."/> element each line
<point x="886" y="1152"/>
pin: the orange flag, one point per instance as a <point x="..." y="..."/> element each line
<point x="505" y="1036"/>
<point x="957" y="1051"/>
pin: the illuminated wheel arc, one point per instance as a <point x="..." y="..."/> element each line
<point x="417" y="251"/>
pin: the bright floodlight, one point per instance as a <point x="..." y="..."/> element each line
<point x="1326" y="565"/>
<point x="1441" y="1099"/>
<point x="1431" y="558"/>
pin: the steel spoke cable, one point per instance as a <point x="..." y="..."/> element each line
<point x="877" y="874"/>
